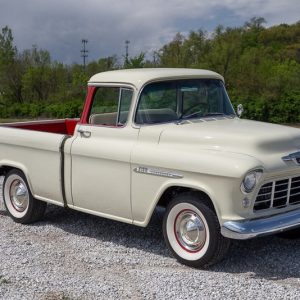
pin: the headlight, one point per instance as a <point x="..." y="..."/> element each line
<point x="250" y="181"/>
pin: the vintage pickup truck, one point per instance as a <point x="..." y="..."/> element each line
<point x="159" y="137"/>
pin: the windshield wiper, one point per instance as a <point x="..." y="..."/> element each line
<point x="211" y="114"/>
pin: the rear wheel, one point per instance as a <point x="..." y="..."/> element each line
<point x="192" y="232"/>
<point x="18" y="200"/>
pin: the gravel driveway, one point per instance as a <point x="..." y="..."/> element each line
<point x="71" y="255"/>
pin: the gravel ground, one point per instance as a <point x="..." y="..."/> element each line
<point x="71" y="255"/>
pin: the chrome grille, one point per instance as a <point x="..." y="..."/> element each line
<point x="278" y="194"/>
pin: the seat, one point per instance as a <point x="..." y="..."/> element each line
<point x="157" y="115"/>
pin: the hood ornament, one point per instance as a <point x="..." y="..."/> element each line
<point x="295" y="157"/>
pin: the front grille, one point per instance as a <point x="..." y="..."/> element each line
<point x="278" y="194"/>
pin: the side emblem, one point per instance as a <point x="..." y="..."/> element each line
<point x="157" y="172"/>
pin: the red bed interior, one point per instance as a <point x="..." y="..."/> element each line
<point x="64" y="126"/>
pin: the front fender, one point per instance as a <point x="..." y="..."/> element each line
<point x="148" y="190"/>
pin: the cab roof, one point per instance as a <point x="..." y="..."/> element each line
<point x="139" y="77"/>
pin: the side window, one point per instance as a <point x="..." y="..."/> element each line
<point x="158" y="104"/>
<point x="110" y="106"/>
<point x="125" y="102"/>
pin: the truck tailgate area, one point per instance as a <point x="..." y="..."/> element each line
<point x="37" y="154"/>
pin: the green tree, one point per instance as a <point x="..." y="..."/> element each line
<point x="137" y="61"/>
<point x="194" y="48"/>
<point x="107" y="64"/>
<point x="79" y="81"/>
<point x="7" y="49"/>
<point x="224" y="51"/>
<point x="261" y="67"/>
<point x="8" y="65"/>
<point x="255" y="23"/>
<point x="37" y="79"/>
<point x="171" y="55"/>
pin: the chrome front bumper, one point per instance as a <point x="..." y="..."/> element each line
<point x="243" y="230"/>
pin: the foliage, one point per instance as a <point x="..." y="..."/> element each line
<point x="135" y="62"/>
<point x="261" y="67"/>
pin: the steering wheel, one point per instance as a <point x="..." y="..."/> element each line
<point x="201" y="111"/>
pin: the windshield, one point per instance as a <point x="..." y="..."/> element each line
<point x="177" y="100"/>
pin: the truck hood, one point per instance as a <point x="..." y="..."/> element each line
<point x="263" y="141"/>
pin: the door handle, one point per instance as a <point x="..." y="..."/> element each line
<point x="84" y="133"/>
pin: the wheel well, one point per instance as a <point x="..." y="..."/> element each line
<point x="5" y="169"/>
<point x="173" y="191"/>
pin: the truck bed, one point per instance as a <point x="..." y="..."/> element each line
<point x="59" y="126"/>
<point x="37" y="148"/>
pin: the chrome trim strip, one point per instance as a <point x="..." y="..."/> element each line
<point x="243" y="230"/>
<point x="272" y="194"/>
<point x="289" y="191"/>
<point x="157" y="172"/>
<point x="264" y="194"/>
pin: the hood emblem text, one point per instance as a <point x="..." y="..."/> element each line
<point x="295" y="157"/>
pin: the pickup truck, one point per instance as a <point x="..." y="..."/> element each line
<point x="159" y="137"/>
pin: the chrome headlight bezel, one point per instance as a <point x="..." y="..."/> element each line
<point x="250" y="181"/>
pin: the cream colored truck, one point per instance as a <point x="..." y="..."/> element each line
<point x="159" y="137"/>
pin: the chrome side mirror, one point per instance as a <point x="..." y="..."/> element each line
<point x="240" y="110"/>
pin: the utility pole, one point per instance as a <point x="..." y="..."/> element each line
<point x="84" y="52"/>
<point x="127" y="42"/>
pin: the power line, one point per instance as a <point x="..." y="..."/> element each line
<point x="84" y="52"/>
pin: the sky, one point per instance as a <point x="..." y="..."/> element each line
<point x="60" y="25"/>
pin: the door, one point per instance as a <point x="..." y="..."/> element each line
<point x="101" y="156"/>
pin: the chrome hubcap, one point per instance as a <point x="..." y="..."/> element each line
<point x="19" y="196"/>
<point x="190" y="231"/>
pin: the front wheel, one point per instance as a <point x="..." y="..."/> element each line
<point x="18" y="200"/>
<point x="192" y="232"/>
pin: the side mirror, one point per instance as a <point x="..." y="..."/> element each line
<point x="240" y="110"/>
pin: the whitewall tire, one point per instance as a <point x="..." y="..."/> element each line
<point x="192" y="231"/>
<point x="18" y="200"/>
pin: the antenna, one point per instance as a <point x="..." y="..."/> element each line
<point x="84" y="52"/>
